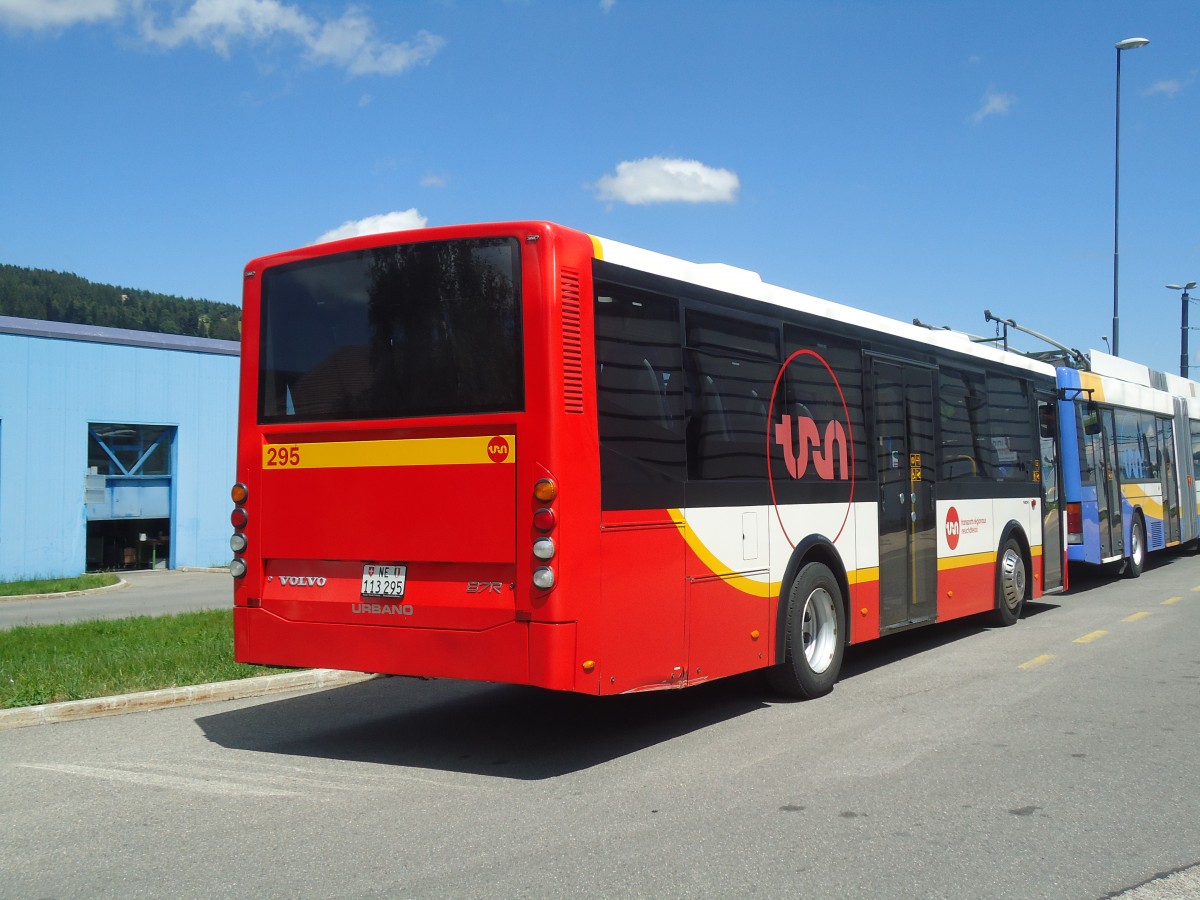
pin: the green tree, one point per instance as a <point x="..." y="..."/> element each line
<point x="63" y="297"/>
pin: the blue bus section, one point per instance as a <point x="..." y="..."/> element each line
<point x="1130" y="451"/>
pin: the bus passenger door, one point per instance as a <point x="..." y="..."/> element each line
<point x="1184" y="465"/>
<point x="1052" y="520"/>
<point x="904" y="447"/>
<point x="1169" y="473"/>
<point x="1108" y="491"/>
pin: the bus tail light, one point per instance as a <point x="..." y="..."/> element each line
<point x="1074" y="523"/>
<point x="238" y="518"/>
<point x="545" y="492"/>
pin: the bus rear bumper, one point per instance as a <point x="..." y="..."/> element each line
<point x="533" y="653"/>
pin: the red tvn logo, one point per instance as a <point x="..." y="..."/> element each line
<point x="809" y="444"/>
<point x="498" y="449"/>
<point x="801" y="440"/>
<point x="953" y="528"/>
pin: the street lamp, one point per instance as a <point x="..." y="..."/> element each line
<point x="1183" y="325"/>
<point x="1127" y="44"/>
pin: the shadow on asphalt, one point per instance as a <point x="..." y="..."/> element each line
<point x="521" y="732"/>
<point x="497" y="730"/>
<point x="1083" y="578"/>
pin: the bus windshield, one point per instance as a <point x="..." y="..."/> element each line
<point x="421" y="329"/>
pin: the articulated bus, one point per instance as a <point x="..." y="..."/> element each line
<point x="519" y="453"/>
<point x="1131" y="460"/>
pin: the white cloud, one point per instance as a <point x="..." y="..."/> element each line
<point x="994" y="104"/>
<point x="662" y="180"/>
<point x="607" y="5"/>
<point x="1170" y="87"/>
<point x="37" y="14"/>
<point x="434" y="181"/>
<point x="349" y="42"/>
<point x="392" y="221"/>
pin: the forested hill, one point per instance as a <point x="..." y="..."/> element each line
<point x="60" y="297"/>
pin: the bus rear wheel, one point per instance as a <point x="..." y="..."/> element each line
<point x="1137" y="549"/>
<point x="814" y="637"/>
<point x="1010" y="583"/>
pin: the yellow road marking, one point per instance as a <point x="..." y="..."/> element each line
<point x="1088" y="638"/>
<point x="1196" y="588"/>
<point x="1036" y="661"/>
<point x="1171" y="601"/>
<point x="1135" y="616"/>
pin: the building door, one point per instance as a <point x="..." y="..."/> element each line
<point x="128" y="496"/>
<point x="905" y="465"/>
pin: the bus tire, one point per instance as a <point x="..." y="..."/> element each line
<point x="1137" y="548"/>
<point x="814" y="637"/>
<point x="1011" y="583"/>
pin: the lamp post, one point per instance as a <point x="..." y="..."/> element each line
<point x="1183" y="325"/>
<point x="1127" y="44"/>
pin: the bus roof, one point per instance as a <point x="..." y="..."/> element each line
<point x="733" y="280"/>
<point x="717" y="276"/>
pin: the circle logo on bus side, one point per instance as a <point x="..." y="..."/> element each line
<point x="498" y="449"/>
<point x="830" y="450"/>
<point x="953" y="529"/>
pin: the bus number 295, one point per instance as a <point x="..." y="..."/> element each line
<point x="279" y="457"/>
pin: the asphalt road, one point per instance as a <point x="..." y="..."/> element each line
<point x="1054" y="759"/>
<point x="148" y="593"/>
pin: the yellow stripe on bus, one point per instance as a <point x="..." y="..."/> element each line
<point x="1135" y="495"/>
<point x="967" y="559"/>
<point x="751" y="586"/>
<point x="978" y="559"/>
<point x="456" y="451"/>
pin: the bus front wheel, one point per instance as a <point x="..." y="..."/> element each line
<point x="814" y="637"/>
<point x="1137" y="549"/>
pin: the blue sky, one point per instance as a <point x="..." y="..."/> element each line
<point x="918" y="159"/>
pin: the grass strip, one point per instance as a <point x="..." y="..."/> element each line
<point x="52" y="663"/>
<point x="57" y="585"/>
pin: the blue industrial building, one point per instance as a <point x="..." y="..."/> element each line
<point x="117" y="449"/>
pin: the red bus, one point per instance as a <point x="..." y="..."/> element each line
<point x="519" y="453"/>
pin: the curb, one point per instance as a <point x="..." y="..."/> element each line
<point x="71" y="710"/>
<point x="99" y="590"/>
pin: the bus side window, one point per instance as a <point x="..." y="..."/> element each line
<point x="639" y="393"/>
<point x="1012" y="428"/>
<point x="809" y="390"/>
<point x="731" y="364"/>
<point x="966" y="448"/>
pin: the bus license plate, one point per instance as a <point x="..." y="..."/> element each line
<point x="383" y="581"/>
